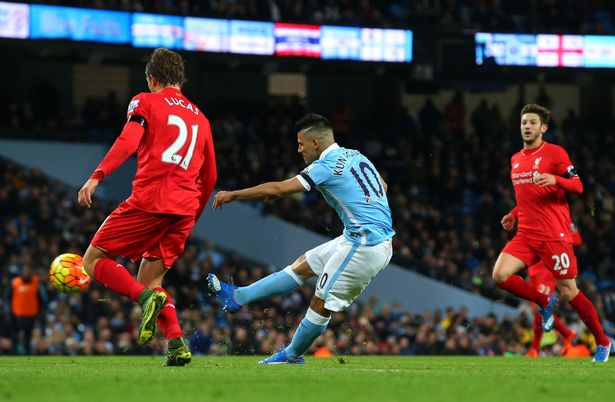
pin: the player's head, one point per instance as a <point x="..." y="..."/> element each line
<point x="534" y="123"/>
<point x="314" y="135"/>
<point x="164" y="69"/>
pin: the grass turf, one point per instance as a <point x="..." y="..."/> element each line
<point x="356" y="378"/>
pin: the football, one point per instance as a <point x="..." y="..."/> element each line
<point x="68" y="275"/>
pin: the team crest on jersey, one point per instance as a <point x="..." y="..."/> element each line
<point x="537" y="162"/>
<point x="132" y="105"/>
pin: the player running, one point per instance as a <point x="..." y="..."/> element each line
<point x="176" y="174"/>
<point x="345" y="265"/>
<point x="541" y="174"/>
<point x="542" y="280"/>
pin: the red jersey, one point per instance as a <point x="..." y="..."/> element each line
<point x="176" y="167"/>
<point x="543" y="213"/>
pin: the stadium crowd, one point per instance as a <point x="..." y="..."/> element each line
<point x="447" y="201"/>
<point x="446" y="211"/>
<point x="39" y="220"/>
<point x="540" y="16"/>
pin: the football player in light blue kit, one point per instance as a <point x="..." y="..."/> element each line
<point x="345" y="265"/>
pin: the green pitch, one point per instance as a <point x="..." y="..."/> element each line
<point x="374" y="379"/>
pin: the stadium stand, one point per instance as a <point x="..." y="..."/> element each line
<point x="449" y="187"/>
<point x="544" y="16"/>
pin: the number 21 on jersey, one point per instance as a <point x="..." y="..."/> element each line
<point x="170" y="155"/>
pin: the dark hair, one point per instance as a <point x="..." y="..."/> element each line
<point x="543" y="112"/>
<point x="166" y="66"/>
<point x="312" y="120"/>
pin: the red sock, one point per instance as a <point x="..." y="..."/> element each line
<point x="517" y="286"/>
<point x="167" y="319"/>
<point x="561" y="327"/>
<point x="537" y="328"/>
<point x="117" y="278"/>
<point x="587" y="312"/>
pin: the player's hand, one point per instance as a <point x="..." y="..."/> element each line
<point x="85" y="194"/>
<point x="223" y="197"/>
<point x="508" y="222"/>
<point x="545" y="180"/>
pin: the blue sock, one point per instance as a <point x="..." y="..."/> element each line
<point x="311" y="327"/>
<point x="277" y="284"/>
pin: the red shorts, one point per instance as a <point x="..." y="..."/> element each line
<point x="558" y="256"/>
<point x="541" y="279"/>
<point x="133" y="233"/>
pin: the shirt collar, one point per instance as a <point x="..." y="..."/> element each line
<point x="329" y="149"/>
<point x="531" y="151"/>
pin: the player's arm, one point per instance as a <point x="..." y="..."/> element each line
<point x="508" y="221"/>
<point x="124" y="146"/>
<point x="566" y="176"/>
<point x="265" y="191"/>
<point x="572" y="184"/>
<point x="384" y="184"/>
<point x="208" y="175"/>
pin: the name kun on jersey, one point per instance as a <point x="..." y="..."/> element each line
<point x="180" y="102"/>
<point x="338" y="169"/>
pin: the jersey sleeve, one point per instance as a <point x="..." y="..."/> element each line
<point x="138" y="109"/>
<point x="566" y="176"/>
<point x="562" y="164"/>
<point x="124" y="146"/>
<point x="314" y="175"/>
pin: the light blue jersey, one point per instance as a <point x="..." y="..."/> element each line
<point x="351" y="184"/>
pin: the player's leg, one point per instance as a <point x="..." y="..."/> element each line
<point x="156" y="262"/>
<point x="585" y="309"/>
<point x="516" y="256"/>
<point x="568" y="335"/>
<point x="128" y="232"/>
<point x="279" y="283"/>
<point x="346" y="274"/>
<point x="151" y="273"/>
<point x="310" y="328"/>
<point x="560" y="259"/>
<point x="505" y="276"/>
<point x="111" y="274"/>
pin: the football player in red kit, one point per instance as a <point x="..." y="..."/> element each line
<point x="176" y="174"/>
<point x="541" y="174"/>
<point x="542" y="280"/>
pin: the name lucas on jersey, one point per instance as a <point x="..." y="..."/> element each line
<point x="180" y="102"/>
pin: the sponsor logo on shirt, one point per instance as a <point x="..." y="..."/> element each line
<point x="522" y="178"/>
<point x="516" y="165"/>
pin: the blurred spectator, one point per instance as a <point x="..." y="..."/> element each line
<point x="25" y="299"/>
<point x="455" y="115"/>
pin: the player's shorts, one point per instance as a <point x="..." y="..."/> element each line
<point x="541" y="278"/>
<point x="558" y="256"/>
<point x="344" y="269"/>
<point x="133" y="233"/>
